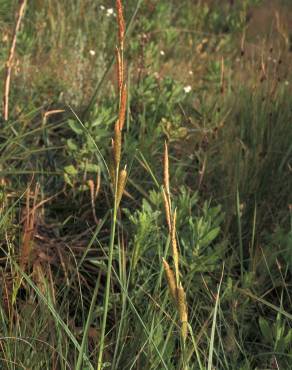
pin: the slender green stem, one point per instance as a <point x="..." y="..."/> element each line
<point x="239" y="234"/>
<point x="183" y="359"/>
<point x="88" y="322"/>
<point x="121" y="324"/>
<point x="108" y="277"/>
<point x="251" y="251"/>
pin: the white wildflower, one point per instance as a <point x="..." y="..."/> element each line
<point x="92" y="52"/>
<point x="187" y="89"/>
<point x="162" y="52"/>
<point x="109" y="12"/>
<point x="102" y="7"/>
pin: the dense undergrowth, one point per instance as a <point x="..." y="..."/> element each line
<point x="221" y="98"/>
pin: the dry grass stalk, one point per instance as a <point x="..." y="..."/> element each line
<point x="123" y="106"/>
<point x="167" y="210"/>
<point x="281" y="29"/>
<point x="52" y="112"/>
<point x="182" y="310"/>
<point x="91" y="186"/>
<point x="117" y="144"/>
<point x="175" y="255"/>
<point x="242" y="43"/>
<point x="170" y="280"/>
<point x="9" y="62"/>
<point x="166" y="172"/>
<point x="29" y="227"/>
<point x="52" y="285"/>
<point x="97" y="188"/>
<point x="112" y="165"/>
<point x="121" y="185"/>
<point x="121" y="23"/>
<point x="112" y="174"/>
<point x="93" y="195"/>
<point x="39" y="277"/>
<point x="64" y="266"/>
<point x="120" y="69"/>
<point x="222" y="78"/>
<point x="166" y="190"/>
<point x="6" y="294"/>
<point x="175" y="287"/>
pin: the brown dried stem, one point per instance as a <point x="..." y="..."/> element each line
<point x="9" y="62"/>
<point x="166" y="172"/>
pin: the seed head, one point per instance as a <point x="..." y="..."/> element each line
<point x="120" y="69"/>
<point x="121" y="185"/>
<point x="167" y="210"/>
<point x="117" y="144"/>
<point x="175" y="254"/>
<point x="170" y="280"/>
<point x="182" y="310"/>
<point x="112" y="165"/>
<point x="121" y="22"/>
<point x="123" y="106"/>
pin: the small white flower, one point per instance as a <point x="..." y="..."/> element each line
<point x="162" y="52"/>
<point x="92" y="52"/>
<point x="286" y="83"/>
<point x="102" y="7"/>
<point x="109" y="12"/>
<point x="190" y="73"/>
<point x="187" y="89"/>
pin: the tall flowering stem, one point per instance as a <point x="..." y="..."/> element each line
<point x="118" y="176"/>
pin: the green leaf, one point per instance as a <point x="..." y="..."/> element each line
<point x="280" y="345"/>
<point x="71" y="170"/>
<point x="209" y="237"/>
<point x="89" y="167"/>
<point x="288" y="339"/>
<point x="67" y="179"/>
<point x="72" y="145"/>
<point x="266" y="330"/>
<point x="75" y="126"/>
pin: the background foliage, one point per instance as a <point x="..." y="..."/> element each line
<point x="213" y="78"/>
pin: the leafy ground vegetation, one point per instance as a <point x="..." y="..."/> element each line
<point x="146" y="215"/>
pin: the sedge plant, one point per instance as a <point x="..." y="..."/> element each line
<point x="118" y="175"/>
<point x="175" y="286"/>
